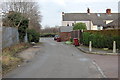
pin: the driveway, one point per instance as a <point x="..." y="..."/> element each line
<point x="57" y="60"/>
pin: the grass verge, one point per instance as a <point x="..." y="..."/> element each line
<point x="10" y="59"/>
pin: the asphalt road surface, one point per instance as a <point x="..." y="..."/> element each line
<point x="57" y="60"/>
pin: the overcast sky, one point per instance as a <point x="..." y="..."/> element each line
<point x="51" y="10"/>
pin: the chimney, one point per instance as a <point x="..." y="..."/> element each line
<point x="88" y="10"/>
<point x="63" y="16"/>
<point x="108" y="11"/>
<point x="63" y="13"/>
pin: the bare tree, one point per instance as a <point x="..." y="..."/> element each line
<point x="29" y="10"/>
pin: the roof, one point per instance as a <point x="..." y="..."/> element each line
<point x="96" y="18"/>
<point x="115" y="23"/>
<point x="66" y="28"/>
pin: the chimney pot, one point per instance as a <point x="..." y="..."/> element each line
<point x="88" y="10"/>
<point x="63" y="13"/>
<point x="108" y="11"/>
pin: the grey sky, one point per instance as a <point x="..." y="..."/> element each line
<point x="51" y="9"/>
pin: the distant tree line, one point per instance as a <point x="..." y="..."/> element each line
<point x="48" y="29"/>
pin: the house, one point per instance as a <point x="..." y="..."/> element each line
<point x="93" y="21"/>
<point x="65" y="32"/>
<point x="114" y="25"/>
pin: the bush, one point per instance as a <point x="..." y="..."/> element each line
<point x="33" y="36"/>
<point x="79" y="26"/>
<point x="71" y="39"/>
<point x="100" y="40"/>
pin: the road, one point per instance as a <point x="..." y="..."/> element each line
<point x="57" y="60"/>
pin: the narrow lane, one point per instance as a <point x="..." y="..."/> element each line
<point x="57" y="60"/>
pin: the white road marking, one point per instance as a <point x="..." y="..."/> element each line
<point x="99" y="69"/>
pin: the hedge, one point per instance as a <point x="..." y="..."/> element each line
<point x="48" y="34"/>
<point x="101" y="39"/>
<point x="111" y="32"/>
<point x="33" y="36"/>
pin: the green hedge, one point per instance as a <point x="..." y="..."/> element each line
<point x="111" y="32"/>
<point x="48" y="34"/>
<point x="33" y="36"/>
<point x="100" y="40"/>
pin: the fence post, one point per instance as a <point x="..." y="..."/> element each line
<point x="114" y="46"/>
<point x="90" y="46"/>
<point x="74" y="33"/>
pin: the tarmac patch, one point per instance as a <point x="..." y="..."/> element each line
<point x="84" y="59"/>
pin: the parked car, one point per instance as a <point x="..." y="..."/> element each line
<point x="56" y="36"/>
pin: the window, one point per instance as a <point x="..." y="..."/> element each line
<point x="67" y="24"/>
<point x="72" y="24"/>
<point x="98" y="27"/>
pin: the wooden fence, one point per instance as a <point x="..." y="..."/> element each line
<point x="76" y="34"/>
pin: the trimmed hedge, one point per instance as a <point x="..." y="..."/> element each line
<point x="101" y="39"/>
<point x="33" y="36"/>
<point x="111" y="32"/>
<point x="48" y="34"/>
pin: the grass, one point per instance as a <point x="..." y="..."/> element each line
<point x="10" y="59"/>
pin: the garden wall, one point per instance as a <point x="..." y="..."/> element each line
<point x="10" y="36"/>
<point x="65" y="36"/>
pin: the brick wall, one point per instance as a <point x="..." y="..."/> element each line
<point x="65" y="36"/>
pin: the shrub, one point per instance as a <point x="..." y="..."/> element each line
<point x="33" y="36"/>
<point x="100" y="40"/>
<point x="71" y="39"/>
